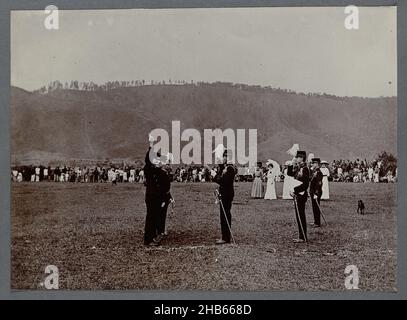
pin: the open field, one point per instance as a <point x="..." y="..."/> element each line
<point x="93" y="234"/>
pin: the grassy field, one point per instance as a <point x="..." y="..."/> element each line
<point x="94" y="234"/>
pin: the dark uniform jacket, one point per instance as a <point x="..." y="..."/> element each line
<point x="300" y="173"/>
<point x="157" y="182"/>
<point x="315" y="187"/>
<point x="225" y="181"/>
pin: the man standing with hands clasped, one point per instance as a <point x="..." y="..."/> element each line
<point x="300" y="172"/>
<point x="157" y="197"/>
<point x="225" y="178"/>
<point x="315" y="190"/>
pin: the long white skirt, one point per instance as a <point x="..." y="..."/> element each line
<point x="325" y="188"/>
<point x="287" y="187"/>
<point x="270" y="190"/>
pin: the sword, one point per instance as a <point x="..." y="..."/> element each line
<point x="172" y="201"/>
<point x="219" y="198"/>
<point x="320" y="210"/>
<point x="299" y="218"/>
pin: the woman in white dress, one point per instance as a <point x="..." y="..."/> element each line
<point x="15" y="174"/>
<point x="370" y="173"/>
<point x="141" y="176"/>
<point x="287" y="184"/>
<point x="376" y="174"/>
<point x="325" y="184"/>
<point x="272" y="173"/>
<point x="257" y="187"/>
<point x="37" y="174"/>
<point x="132" y="175"/>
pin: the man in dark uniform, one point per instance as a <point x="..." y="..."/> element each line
<point x="157" y="192"/>
<point x="300" y="172"/>
<point x="225" y="178"/>
<point x="315" y="190"/>
<point x="166" y="199"/>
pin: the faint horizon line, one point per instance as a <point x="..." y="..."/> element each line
<point x="200" y="83"/>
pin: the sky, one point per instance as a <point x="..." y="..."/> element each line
<point x="301" y="49"/>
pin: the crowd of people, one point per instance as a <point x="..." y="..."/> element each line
<point x="362" y="171"/>
<point x="103" y="174"/>
<point x="336" y="171"/>
<point x="301" y="177"/>
<point x="96" y="174"/>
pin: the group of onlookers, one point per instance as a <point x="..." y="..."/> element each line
<point x="95" y="174"/>
<point x="336" y="171"/>
<point x="362" y="171"/>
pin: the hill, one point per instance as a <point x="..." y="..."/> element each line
<point x="114" y="124"/>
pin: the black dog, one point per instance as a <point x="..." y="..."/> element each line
<point x="361" y="207"/>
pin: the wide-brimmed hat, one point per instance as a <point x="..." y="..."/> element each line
<point x="324" y="162"/>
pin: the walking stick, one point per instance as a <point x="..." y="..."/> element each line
<point x="172" y="205"/>
<point x="219" y="198"/>
<point x="299" y="218"/>
<point x="172" y="201"/>
<point x="320" y="210"/>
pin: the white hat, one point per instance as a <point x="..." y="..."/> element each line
<point x="324" y="162"/>
<point x="219" y="151"/>
<point x="293" y="150"/>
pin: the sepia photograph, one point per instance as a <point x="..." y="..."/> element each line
<point x="205" y="149"/>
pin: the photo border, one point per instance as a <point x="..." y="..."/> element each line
<point x="5" y="236"/>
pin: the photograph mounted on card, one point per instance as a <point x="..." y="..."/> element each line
<point x="226" y="149"/>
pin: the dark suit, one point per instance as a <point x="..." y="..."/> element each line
<point x="301" y="173"/>
<point x="165" y="196"/>
<point x="226" y="190"/>
<point x="315" y="189"/>
<point x="157" y="192"/>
